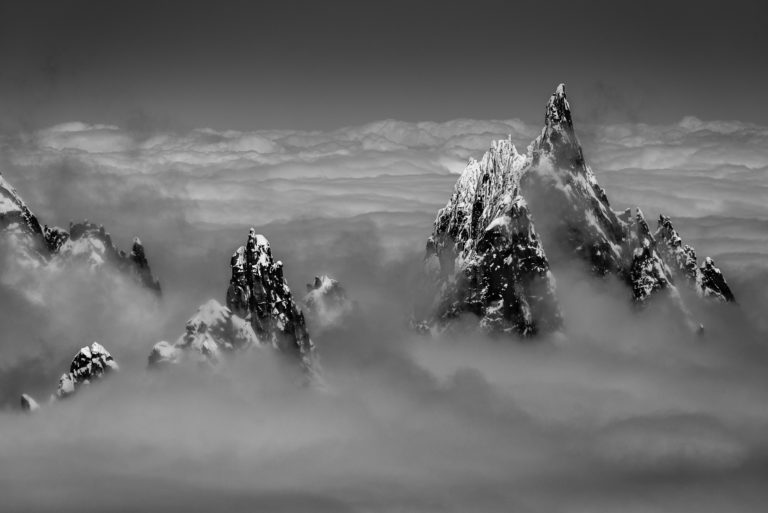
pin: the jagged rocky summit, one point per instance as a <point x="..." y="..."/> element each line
<point x="34" y="247"/>
<point x="327" y="303"/>
<point x="260" y="313"/>
<point x="487" y="262"/>
<point x="90" y="364"/>
<point x="259" y="293"/>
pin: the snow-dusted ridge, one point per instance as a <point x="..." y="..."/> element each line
<point x="486" y="258"/>
<point x="83" y="244"/>
<point x="211" y="333"/>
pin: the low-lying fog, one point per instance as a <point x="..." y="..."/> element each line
<point x="623" y="413"/>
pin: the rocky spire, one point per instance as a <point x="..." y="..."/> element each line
<point x="571" y="209"/>
<point x="484" y="256"/>
<point x="259" y="293"/>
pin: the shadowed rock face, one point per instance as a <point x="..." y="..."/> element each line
<point x="259" y="293"/>
<point x="83" y="244"/>
<point x="570" y="208"/>
<point x="485" y="257"/>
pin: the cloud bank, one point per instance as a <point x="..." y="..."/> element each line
<point x="623" y="413"/>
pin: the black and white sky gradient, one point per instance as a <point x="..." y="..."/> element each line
<point x="337" y="129"/>
<point x="319" y="65"/>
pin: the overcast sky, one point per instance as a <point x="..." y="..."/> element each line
<point x="290" y="64"/>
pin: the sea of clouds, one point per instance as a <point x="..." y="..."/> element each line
<point x="622" y="413"/>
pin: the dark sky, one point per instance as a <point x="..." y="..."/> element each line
<point x="289" y="64"/>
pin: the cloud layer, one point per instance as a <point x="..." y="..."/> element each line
<point x="622" y="413"/>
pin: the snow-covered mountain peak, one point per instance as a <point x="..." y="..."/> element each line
<point x="209" y="334"/>
<point x="90" y="363"/>
<point x="490" y="215"/>
<point x="484" y="255"/>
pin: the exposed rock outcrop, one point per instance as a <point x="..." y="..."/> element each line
<point x="259" y="293"/>
<point x="260" y="313"/>
<point x="90" y="364"/>
<point x="706" y="280"/>
<point x="485" y="257"/>
<point x="32" y="247"/>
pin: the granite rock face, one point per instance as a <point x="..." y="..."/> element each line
<point x="486" y="258"/>
<point x="260" y="314"/>
<point x="259" y="293"/>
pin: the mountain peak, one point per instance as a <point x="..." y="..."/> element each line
<point x="558" y="109"/>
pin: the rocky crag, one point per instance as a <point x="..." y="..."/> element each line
<point x="487" y="262"/>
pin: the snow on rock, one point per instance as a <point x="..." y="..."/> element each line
<point x="484" y="256"/>
<point x="23" y="243"/>
<point x="28" y="403"/>
<point x="326" y="303"/>
<point x="32" y="247"/>
<point x="707" y="280"/>
<point x="575" y="218"/>
<point x="260" y="313"/>
<point x="89" y="364"/>
<point x="570" y="208"/>
<point x="259" y="293"/>
<point x="89" y="244"/>
<point x="214" y="331"/>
